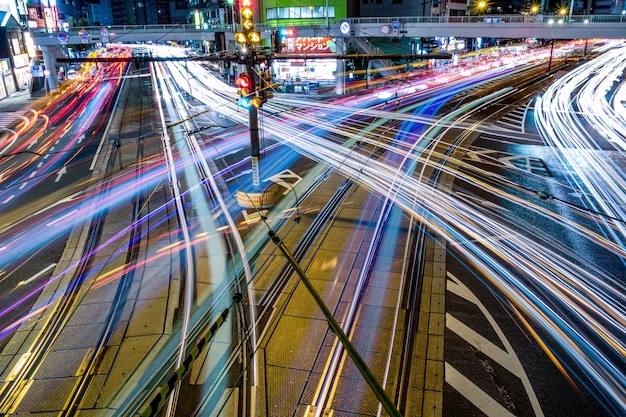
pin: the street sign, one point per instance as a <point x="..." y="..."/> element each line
<point x="344" y="27"/>
<point x="63" y="38"/>
<point x="37" y="71"/>
<point x="385" y="29"/>
<point x="104" y="33"/>
<point x="83" y="35"/>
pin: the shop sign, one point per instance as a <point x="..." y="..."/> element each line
<point x="37" y="71"/>
<point x="309" y="45"/>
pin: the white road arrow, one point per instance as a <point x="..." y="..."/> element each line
<point x="61" y="172"/>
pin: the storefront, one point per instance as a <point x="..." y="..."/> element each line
<point x="14" y="61"/>
<point x="298" y="73"/>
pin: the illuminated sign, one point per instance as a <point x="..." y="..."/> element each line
<point x="309" y="45"/>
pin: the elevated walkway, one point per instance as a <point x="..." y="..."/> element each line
<point x="497" y="26"/>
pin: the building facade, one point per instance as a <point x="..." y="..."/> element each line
<point x="15" y="70"/>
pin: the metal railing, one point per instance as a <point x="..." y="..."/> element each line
<point x="192" y="28"/>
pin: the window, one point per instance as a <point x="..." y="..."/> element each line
<point x="314" y="12"/>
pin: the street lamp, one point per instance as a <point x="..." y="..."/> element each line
<point x="480" y="8"/>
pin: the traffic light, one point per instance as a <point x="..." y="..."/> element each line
<point x="256" y="102"/>
<point x="277" y="43"/>
<point x="247" y="92"/>
<point x="265" y="81"/>
<point x="220" y="43"/>
<point x="241" y="37"/>
<point x="245" y="84"/>
<point x="248" y="36"/>
<point x="288" y="32"/>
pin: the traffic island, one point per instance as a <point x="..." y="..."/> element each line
<point x="259" y="198"/>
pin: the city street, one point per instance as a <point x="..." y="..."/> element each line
<point x="449" y="242"/>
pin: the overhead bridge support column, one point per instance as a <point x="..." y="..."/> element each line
<point x="341" y="68"/>
<point x="50" y="54"/>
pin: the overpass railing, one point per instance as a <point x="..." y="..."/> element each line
<point x="192" y="28"/>
<point x="512" y="18"/>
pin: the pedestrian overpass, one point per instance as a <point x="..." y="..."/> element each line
<point x="496" y="26"/>
<point x="500" y="26"/>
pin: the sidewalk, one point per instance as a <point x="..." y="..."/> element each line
<point x="17" y="105"/>
<point x="17" y="101"/>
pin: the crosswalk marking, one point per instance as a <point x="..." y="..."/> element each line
<point x="502" y="354"/>
<point x="6" y="118"/>
<point x="475" y="395"/>
<point x="513" y="120"/>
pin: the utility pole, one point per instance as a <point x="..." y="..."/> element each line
<point x="247" y="39"/>
<point x="255" y="147"/>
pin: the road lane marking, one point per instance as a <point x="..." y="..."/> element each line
<point x="37" y="275"/>
<point x="475" y="395"/>
<point x="60" y="173"/>
<point x="61" y="218"/>
<point x="506" y="358"/>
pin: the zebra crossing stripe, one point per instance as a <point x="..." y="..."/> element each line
<point x="6" y="118"/>
<point x="503" y="355"/>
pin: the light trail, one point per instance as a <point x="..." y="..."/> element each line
<point x="555" y="287"/>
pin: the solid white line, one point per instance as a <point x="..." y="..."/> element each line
<point x="105" y="134"/>
<point x="37" y="275"/>
<point x="61" y="218"/>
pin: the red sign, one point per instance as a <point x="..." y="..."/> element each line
<point x="309" y="45"/>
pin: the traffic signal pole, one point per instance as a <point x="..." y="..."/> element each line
<point x="248" y="38"/>
<point x="255" y="147"/>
